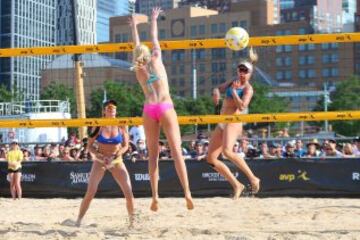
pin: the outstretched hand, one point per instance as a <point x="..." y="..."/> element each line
<point x="156" y="12"/>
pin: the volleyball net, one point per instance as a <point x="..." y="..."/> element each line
<point x="302" y="70"/>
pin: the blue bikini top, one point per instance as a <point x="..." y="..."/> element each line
<point x="152" y="78"/>
<point x="239" y="91"/>
<point x="114" y="140"/>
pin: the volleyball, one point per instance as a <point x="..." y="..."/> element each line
<point x="237" y="38"/>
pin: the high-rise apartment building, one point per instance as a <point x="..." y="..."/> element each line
<point x="146" y="6"/>
<point x="105" y="10"/>
<point x="26" y="23"/>
<point x="86" y="22"/>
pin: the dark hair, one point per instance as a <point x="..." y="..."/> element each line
<point x="108" y="102"/>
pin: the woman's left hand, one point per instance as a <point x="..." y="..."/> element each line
<point x="156" y="12"/>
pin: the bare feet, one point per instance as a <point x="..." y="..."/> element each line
<point x="154" y="205"/>
<point x="255" y="185"/>
<point x="189" y="203"/>
<point x="238" y="190"/>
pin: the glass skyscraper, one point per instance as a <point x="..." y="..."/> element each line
<point x="86" y="22"/>
<point x="105" y="10"/>
<point x="25" y="23"/>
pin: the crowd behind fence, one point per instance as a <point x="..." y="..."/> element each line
<point x="74" y="149"/>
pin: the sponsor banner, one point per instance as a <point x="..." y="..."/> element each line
<point x="283" y="177"/>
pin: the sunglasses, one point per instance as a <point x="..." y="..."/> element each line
<point x="243" y="69"/>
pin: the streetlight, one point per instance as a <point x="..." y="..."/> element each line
<point x="326" y="102"/>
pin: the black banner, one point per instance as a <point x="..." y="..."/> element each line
<point x="283" y="177"/>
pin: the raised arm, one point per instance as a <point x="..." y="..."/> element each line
<point x="154" y="31"/>
<point x="218" y="90"/>
<point x="135" y="34"/>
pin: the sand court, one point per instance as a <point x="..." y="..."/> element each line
<point x="213" y="218"/>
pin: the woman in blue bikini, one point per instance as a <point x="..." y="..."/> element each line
<point x="238" y="94"/>
<point x="158" y="109"/>
<point x="111" y="143"/>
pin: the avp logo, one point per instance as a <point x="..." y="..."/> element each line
<point x="289" y="177"/>
<point x="142" y="177"/>
<point x="356" y="176"/>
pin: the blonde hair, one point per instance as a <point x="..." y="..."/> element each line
<point x="141" y="56"/>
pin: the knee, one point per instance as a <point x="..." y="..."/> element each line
<point x="228" y="153"/>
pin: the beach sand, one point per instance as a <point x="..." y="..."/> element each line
<point x="212" y="218"/>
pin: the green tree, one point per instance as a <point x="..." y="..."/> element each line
<point x="56" y="91"/>
<point x="346" y="97"/>
<point x="129" y="97"/>
<point x="7" y="96"/>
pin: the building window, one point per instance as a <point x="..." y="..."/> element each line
<point x="202" y="68"/>
<point x="302" y="74"/>
<point x="325" y="58"/>
<point x="234" y="24"/>
<point x="325" y="72"/>
<point x="244" y="24"/>
<point x="200" y="54"/>
<point x="214" y="67"/>
<point x="222" y="27"/>
<point x="288" y="61"/>
<point x="334" y="58"/>
<point x="202" y="29"/>
<point x="173" y="69"/>
<point x="279" y="62"/>
<point x="279" y="75"/>
<point x="181" y="69"/>
<point x="311" y="73"/>
<point x="288" y="75"/>
<point x="193" y="31"/>
<point x="162" y="34"/>
<point x="214" y="28"/>
<point x="302" y="60"/>
<point x="143" y="35"/>
<point x="334" y="72"/>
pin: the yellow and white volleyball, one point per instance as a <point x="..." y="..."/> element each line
<point x="237" y="38"/>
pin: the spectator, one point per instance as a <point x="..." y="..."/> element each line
<point x="46" y="153"/>
<point x="137" y="133"/>
<point x="275" y="150"/>
<point x="131" y="153"/>
<point x="67" y="154"/>
<point x="330" y="149"/>
<point x="73" y="140"/>
<point x="61" y="150"/>
<point x="74" y="153"/>
<point x="312" y="149"/>
<point x="299" y="151"/>
<point x="357" y="146"/>
<point x="38" y="153"/>
<point x="286" y="133"/>
<point x="164" y="152"/>
<point x="264" y="151"/>
<point x="289" y="150"/>
<point x="26" y="154"/>
<point x="84" y="154"/>
<point x="14" y="158"/>
<point x="54" y="151"/>
<point x="244" y="147"/>
<point x="199" y="153"/>
<point x="348" y="150"/>
<point x="2" y="154"/>
<point x="141" y="149"/>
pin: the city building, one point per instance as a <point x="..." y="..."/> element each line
<point x="97" y="70"/>
<point x="146" y="6"/>
<point x="26" y="24"/>
<point x="325" y="16"/>
<point x="107" y="9"/>
<point x="86" y="22"/>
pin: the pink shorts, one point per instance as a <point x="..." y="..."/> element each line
<point x="156" y="110"/>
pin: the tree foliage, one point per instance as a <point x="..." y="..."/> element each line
<point x="346" y="97"/>
<point x="59" y="91"/>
